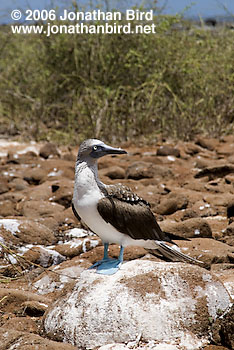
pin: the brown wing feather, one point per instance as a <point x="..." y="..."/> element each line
<point x="129" y="214"/>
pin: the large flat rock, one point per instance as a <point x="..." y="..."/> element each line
<point x="160" y="301"/>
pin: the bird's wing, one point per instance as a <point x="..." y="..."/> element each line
<point x="129" y="214"/>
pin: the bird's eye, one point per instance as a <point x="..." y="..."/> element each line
<point x="94" y="148"/>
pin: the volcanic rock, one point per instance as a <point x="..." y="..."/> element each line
<point x="141" y="170"/>
<point x="172" y="203"/>
<point x="18" y="340"/>
<point x="195" y="227"/>
<point x="168" y="151"/>
<point x="158" y="300"/>
<point x="49" y="149"/>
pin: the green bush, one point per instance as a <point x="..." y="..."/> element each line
<point x="68" y="87"/>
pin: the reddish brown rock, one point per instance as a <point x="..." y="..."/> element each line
<point x="141" y="170"/>
<point x="230" y="208"/>
<point x="208" y="250"/>
<point x="195" y="227"/>
<point x="4" y="187"/>
<point x="35" y="176"/>
<point x="24" y="231"/>
<point x="229" y="234"/>
<point x="40" y="192"/>
<point x="43" y="256"/>
<point x="114" y="172"/>
<point x="49" y="150"/>
<point x="62" y="192"/>
<point x="27" y="341"/>
<point x="13" y="299"/>
<point x="21" y="324"/>
<point x="36" y="209"/>
<point x="171" y="203"/>
<point x="216" y="171"/>
<point x="208" y="143"/>
<point x="223" y="329"/>
<point x="77" y="246"/>
<point x="34" y="308"/>
<point x="167" y="150"/>
<point x="7" y="208"/>
<point x="229" y="179"/>
<point x="191" y="148"/>
<point x="18" y="184"/>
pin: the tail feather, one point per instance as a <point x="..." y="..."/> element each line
<point x="171" y="236"/>
<point x="173" y="254"/>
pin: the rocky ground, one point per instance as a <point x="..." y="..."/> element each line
<point x="44" y="250"/>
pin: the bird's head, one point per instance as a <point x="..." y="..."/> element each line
<point x="93" y="149"/>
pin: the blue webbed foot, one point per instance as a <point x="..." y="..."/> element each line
<point x="108" y="266"/>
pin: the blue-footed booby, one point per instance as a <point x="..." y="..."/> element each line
<point x="114" y="212"/>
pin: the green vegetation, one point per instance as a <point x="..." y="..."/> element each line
<point x="67" y="87"/>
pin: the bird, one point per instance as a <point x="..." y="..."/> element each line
<point x="114" y="212"/>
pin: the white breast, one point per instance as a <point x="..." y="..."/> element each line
<point x="85" y="198"/>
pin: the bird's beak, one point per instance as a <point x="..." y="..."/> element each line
<point x="112" y="150"/>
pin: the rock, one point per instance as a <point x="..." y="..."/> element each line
<point x="208" y="250"/>
<point x="229" y="230"/>
<point x="223" y="329"/>
<point x="226" y="149"/>
<point x="215" y="172"/>
<point x="18" y="184"/>
<point x="12" y="157"/>
<point x="192" y="149"/>
<point x="77" y="246"/>
<point x="157" y="300"/>
<point x="116" y="346"/>
<point x="189" y="214"/>
<point x="13" y="299"/>
<point x="35" y="209"/>
<point x="41" y="192"/>
<point x="171" y="204"/>
<point x="58" y="168"/>
<point x="21" y="324"/>
<point x="70" y="157"/>
<point x="231" y="158"/>
<point x="35" y="176"/>
<point x="34" y="308"/>
<point x="168" y="151"/>
<point x="218" y="200"/>
<point x="49" y="150"/>
<point x="57" y="277"/>
<point x="7" y="208"/>
<point x="202" y="163"/>
<point x="214" y="347"/>
<point x="26" y="231"/>
<point x="229" y="234"/>
<point x="225" y="273"/>
<point x="204" y="209"/>
<point x="195" y="227"/>
<point x="210" y="144"/>
<point x="141" y="170"/>
<point x="4" y="187"/>
<point x="13" y="339"/>
<point x="43" y="256"/>
<point x="62" y="192"/>
<point x="113" y="172"/>
<point x="229" y="179"/>
<point x="230" y="208"/>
